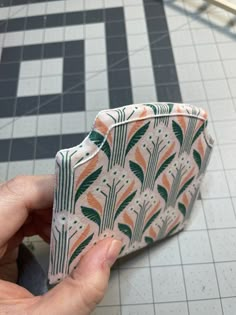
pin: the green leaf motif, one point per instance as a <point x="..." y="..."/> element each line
<point x="197" y="158"/>
<point x="125" y="229"/>
<point x="100" y="141"/>
<point x="182" y="208"/>
<point x="178" y="132"/>
<point x="164" y="165"/>
<point x="163" y="192"/>
<point x="150" y="221"/>
<point x="122" y="249"/>
<point x="137" y="170"/>
<point x="197" y="134"/>
<point x="185" y="186"/>
<point x="87" y="182"/>
<point x="170" y="105"/>
<point x="91" y="214"/>
<point x="153" y="107"/>
<point x="148" y="240"/>
<point x="124" y="204"/>
<point x="172" y="230"/>
<point x="80" y="248"/>
<point x="136" y="137"/>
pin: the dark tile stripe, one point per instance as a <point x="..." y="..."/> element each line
<point x="44" y="146"/>
<point x="166" y="80"/>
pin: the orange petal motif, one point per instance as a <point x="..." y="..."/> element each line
<point x="140" y="159"/>
<point x="153" y="211"/>
<point x="88" y="169"/>
<point x="93" y="202"/>
<point x="167" y="153"/>
<point x="127" y="219"/>
<point x="100" y="126"/>
<point x="137" y="124"/>
<point x="185" y="200"/>
<point x="83" y="235"/>
<point x="181" y="120"/>
<point x="166" y="182"/>
<point x="152" y="233"/>
<point x="126" y="193"/>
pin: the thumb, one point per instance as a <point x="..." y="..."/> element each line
<point x="84" y="289"/>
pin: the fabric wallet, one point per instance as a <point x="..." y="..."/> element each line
<point x="135" y="177"/>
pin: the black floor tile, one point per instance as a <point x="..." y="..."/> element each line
<point x="27" y="105"/>
<point x="159" y="40"/>
<point x="118" y="61"/>
<point x="73" y="65"/>
<point x="73" y="102"/>
<point x="94" y="16"/>
<point x="8" y="88"/>
<point x="73" y="83"/>
<point x="14" y="25"/>
<point x="47" y="146"/>
<point x="7" y="106"/>
<point x="115" y="29"/>
<point x="120" y="97"/>
<point x="74" y="48"/>
<point x="119" y="79"/>
<point x="116" y="44"/>
<point x="71" y="140"/>
<point x="162" y="57"/>
<point x="165" y="74"/>
<point x="34" y="22"/>
<point x="4" y="149"/>
<point x="157" y="25"/>
<point x="74" y="18"/>
<point x="114" y="14"/>
<point x="11" y="54"/>
<point x="53" y="50"/>
<point x="169" y="93"/>
<point x="55" y="20"/>
<point x="32" y="52"/>
<point x="154" y="10"/>
<point x="49" y="104"/>
<point x="9" y="71"/>
<point x="22" y="149"/>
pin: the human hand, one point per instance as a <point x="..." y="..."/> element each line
<point x="25" y="210"/>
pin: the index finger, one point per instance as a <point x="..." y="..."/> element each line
<point x="20" y="196"/>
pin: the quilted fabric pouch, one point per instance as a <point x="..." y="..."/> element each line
<point x="135" y="177"/>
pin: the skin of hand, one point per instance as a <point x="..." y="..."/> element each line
<point x="26" y="210"/>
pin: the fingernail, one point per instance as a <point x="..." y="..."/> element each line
<point x="113" y="252"/>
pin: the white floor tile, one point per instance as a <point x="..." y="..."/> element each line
<point x="144" y="94"/>
<point x="96" y="81"/>
<point x="112" y="310"/>
<point x="216" y="89"/>
<point x="168" y="284"/>
<point x="219" y="213"/>
<point x="73" y="122"/>
<point x="138" y="42"/>
<point x="181" y="38"/>
<point x="97" y="100"/>
<point x="74" y="32"/>
<point x="30" y="68"/>
<point x="207" y="52"/>
<point x="134" y="27"/>
<point x="95" y="63"/>
<point x="25" y="127"/>
<point x="142" y="77"/>
<point x="20" y="168"/>
<point x="95" y="30"/>
<point x="188" y="72"/>
<point x="3" y="171"/>
<point x="222" y="109"/>
<point x="226" y="273"/>
<point x="139" y="259"/>
<point x="231" y="177"/>
<point x="197" y="219"/>
<point x="53" y="66"/>
<point x="95" y="46"/>
<point x="205" y="307"/>
<point x="140" y="59"/>
<point x="212" y="70"/>
<point x="228" y="153"/>
<point x="133" y="13"/>
<point x="51" y="85"/>
<point x="28" y="86"/>
<point x="135" y="286"/>
<point x="192" y="91"/>
<point x="33" y="37"/>
<point x="202" y="36"/>
<point x="138" y="310"/>
<point x="165" y="252"/>
<point x="195" y="247"/>
<point x="49" y="124"/>
<point x="223" y="243"/>
<point x="214" y="185"/>
<point x="44" y="166"/>
<point x="201" y="282"/>
<point x="74" y="5"/>
<point x="225" y="132"/>
<point x="180" y="308"/>
<point x="112" y="296"/>
<point x="229" y="305"/>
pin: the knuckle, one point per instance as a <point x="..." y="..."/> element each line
<point x="17" y="185"/>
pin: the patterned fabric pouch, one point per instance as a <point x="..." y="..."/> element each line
<point x="135" y="177"/>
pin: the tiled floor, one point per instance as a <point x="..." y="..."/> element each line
<point x="64" y="60"/>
